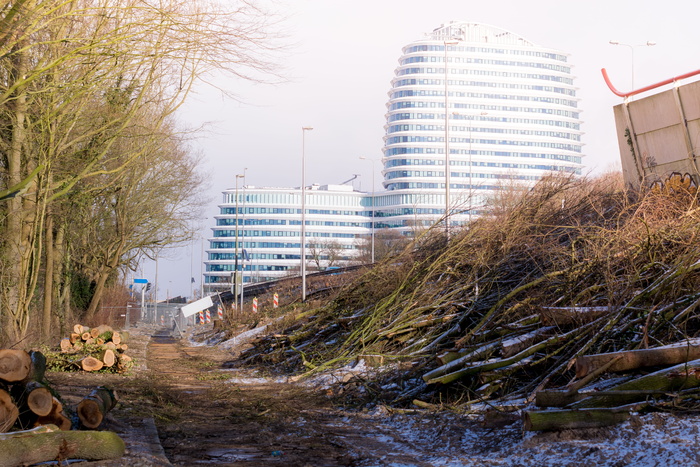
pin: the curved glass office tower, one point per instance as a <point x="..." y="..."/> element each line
<point x="498" y="108"/>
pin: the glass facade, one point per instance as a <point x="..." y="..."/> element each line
<point x="498" y="107"/>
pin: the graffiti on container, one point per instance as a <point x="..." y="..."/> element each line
<point x="675" y="183"/>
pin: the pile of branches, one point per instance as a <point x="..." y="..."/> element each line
<point x="98" y="349"/>
<point x="573" y="266"/>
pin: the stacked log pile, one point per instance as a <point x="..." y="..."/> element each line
<point x="93" y="349"/>
<point x="34" y="424"/>
<point x="506" y="308"/>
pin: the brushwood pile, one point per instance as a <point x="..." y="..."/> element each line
<point x="571" y="268"/>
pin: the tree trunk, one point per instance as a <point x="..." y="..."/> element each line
<point x="675" y="378"/>
<point x="45" y="447"/>
<point x="633" y="359"/>
<point x="553" y="420"/>
<point x="94" y="407"/>
<point x="48" y="279"/>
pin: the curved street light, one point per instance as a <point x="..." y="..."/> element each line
<point x="631" y="47"/>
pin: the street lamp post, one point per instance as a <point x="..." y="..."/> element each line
<point x="303" y="211"/>
<point x="372" y="229"/>
<point x="632" y="46"/>
<point x="447" y="144"/>
<point x="235" y="255"/>
<point x="243" y="241"/>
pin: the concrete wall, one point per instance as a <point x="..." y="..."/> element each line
<point x="663" y="141"/>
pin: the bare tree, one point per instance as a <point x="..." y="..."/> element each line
<point x="77" y="80"/>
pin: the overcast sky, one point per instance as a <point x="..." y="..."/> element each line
<point x="342" y="61"/>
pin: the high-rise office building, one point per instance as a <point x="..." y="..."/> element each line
<point x="496" y="107"/>
<point x="489" y="104"/>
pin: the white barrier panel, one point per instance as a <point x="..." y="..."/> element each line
<point x="197" y="306"/>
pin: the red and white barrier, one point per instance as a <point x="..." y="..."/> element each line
<point x="275" y="301"/>
<point x="201" y="317"/>
<point x="255" y="305"/>
<point x="220" y="312"/>
<point x="207" y="316"/>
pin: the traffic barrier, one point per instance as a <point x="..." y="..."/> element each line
<point x="275" y="301"/>
<point x="255" y="305"/>
<point x="200" y="317"/>
<point x="207" y="316"/>
<point x="220" y="312"/>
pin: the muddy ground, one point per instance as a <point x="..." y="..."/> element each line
<point x="182" y="406"/>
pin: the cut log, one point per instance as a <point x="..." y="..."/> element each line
<point x="675" y="378"/>
<point x="86" y="335"/>
<point x="56" y="417"/>
<point x="124" y="362"/>
<point x="8" y="411"/>
<point x="633" y="359"/>
<point x="117" y="337"/>
<point x="66" y="345"/>
<point x="79" y="329"/>
<point x="109" y="345"/>
<point x="564" y="316"/>
<point x="15" y="365"/>
<point x="108" y="357"/>
<point x="94" y="407"/>
<point x="95" y="333"/>
<point x="554" y="420"/>
<point x="91" y="364"/>
<point x="123" y="347"/>
<point x="44" y="447"/>
<point x="34" y="397"/>
<point x="75" y="337"/>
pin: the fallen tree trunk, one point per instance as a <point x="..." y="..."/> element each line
<point x="554" y="420"/>
<point x="514" y="345"/>
<point x="633" y="359"/>
<point x="108" y="357"/>
<point x="94" y="407"/>
<point x="675" y="378"/>
<point x="492" y="365"/>
<point x="44" y="447"/>
<point x="33" y="397"/>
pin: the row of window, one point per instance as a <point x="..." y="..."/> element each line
<point x="227" y="245"/>
<point x="560" y="157"/>
<point x="499" y="131"/>
<point x="505" y="165"/>
<point x="498" y="74"/>
<point x="486" y="118"/>
<point x="400" y="92"/>
<point x="490" y="50"/>
<point x="491" y="107"/>
<point x="280" y="233"/>
<point x="501" y="142"/>
<point x="321" y="197"/>
<point x="502" y="97"/>
<point x="266" y="210"/>
<point x="482" y="61"/>
<point x="255" y="221"/>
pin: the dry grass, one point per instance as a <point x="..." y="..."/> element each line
<point x="567" y="242"/>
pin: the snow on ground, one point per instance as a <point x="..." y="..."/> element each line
<point x="449" y="439"/>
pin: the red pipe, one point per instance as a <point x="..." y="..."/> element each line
<point x="647" y="88"/>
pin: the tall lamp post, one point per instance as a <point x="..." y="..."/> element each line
<point x="235" y="259"/>
<point x="447" y="144"/>
<point x="632" y="46"/>
<point x="372" y="229"/>
<point x="243" y="241"/>
<point x="304" y="129"/>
